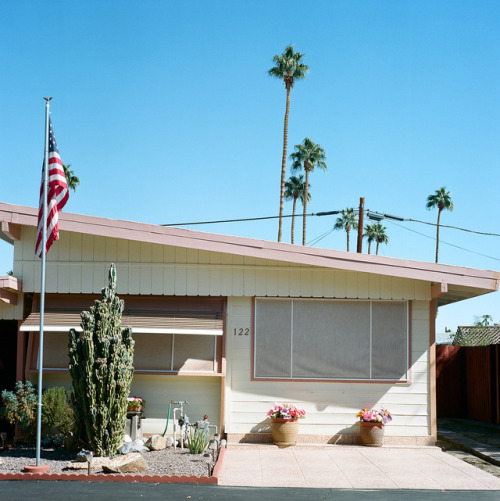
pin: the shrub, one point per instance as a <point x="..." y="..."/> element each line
<point x="19" y="407"/>
<point x="57" y="411"/>
<point x="101" y="368"/>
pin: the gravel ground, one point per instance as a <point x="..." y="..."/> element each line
<point x="165" y="462"/>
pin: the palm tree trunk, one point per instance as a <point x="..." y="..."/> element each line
<point x="347" y="233"/>
<point x="437" y="234"/>
<point x="283" y="160"/>
<point x="369" y="246"/>
<point x="293" y="216"/>
<point x="376" y="253"/>
<point x="305" y="206"/>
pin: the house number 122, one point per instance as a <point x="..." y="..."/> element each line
<point x="241" y="331"/>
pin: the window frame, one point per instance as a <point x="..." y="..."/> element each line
<point x="404" y="380"/>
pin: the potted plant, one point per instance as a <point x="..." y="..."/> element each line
<point x="285" y="423"/>
<point x="135" y="404"/>
<point x="371" y="426"/>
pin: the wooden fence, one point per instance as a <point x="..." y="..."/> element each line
<point x="467" y="382"/>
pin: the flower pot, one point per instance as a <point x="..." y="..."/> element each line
<point x="285" y="431"/>
<point x="134" y="408"/>
<point x="372" y="434"/>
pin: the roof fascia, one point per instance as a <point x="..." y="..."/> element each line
<point x="261" y="249"/>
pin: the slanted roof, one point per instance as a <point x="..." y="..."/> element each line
<point x="451" y="283"/>
<point x="477" y="335"/>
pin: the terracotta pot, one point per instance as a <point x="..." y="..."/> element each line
<point x="136" y="408"/>
<point x="372" y="434"/>
<point x="285" y="431"/>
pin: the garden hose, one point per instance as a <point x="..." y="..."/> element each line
<point x="168" y="417"/>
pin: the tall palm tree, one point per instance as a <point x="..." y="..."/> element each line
<point x="370" y="235"/>
<point x="307" y="156"/>
<point x="347" y="221"/>
<point x="72" y="180"/>
<point x="287" y="67"/>
<point x="442" y="200"/>
<point x="380" y="235"/>
<point x="295" y="188"/>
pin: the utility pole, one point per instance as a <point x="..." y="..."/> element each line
<point x="360" y="224"/>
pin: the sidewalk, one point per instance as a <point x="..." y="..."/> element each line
<point x="350" y="467"/>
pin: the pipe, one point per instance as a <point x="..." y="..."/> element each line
<point x="168" y="417"/>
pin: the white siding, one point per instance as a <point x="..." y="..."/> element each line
<point x="202" y="393"/>
<point x="331" y="407"/>
<point x="79" y="263"/>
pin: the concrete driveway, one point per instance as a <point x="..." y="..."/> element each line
<point x="350" y="467"/>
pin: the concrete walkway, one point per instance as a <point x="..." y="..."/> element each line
<point x="350" y="467"/>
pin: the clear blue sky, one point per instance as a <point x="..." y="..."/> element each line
<point x="166" y="113"/>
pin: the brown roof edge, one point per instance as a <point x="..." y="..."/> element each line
<point x="178" y="237"/>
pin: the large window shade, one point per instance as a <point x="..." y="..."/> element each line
<point x="273" y="321"/>
<point x="326" y="339"/>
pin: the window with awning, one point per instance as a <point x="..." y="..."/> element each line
<point x="164" y="343"/>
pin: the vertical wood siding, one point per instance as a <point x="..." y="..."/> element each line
<point x="78" y="263"/>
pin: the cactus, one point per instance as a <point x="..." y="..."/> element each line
<point x="101" y="368"/>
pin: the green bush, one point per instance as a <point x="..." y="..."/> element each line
<point x="197" y="440"/>
<point x="57" y="411"/>
<point x="19" y="407"/>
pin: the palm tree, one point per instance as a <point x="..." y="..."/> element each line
<point x="483" y="321"/>
<point x="442" y="200"/>
<point x="380" y="235"/>
<point x="307" y="156"/>
<point x="288" y="67"/>
<point x="369" y="235"/>
<point x="295" y="188"/>
<point x="347" y="221"/>
<point x="72" y="180"/>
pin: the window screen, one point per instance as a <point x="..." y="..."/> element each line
<point x="194" y="353"/>
<point x="331" y="339"/>
<point x="389" y="346"/>
<point x="273" y="344"/>
<point x="55" y="350"/>
<point x="152" y="351"/>
<point x="325" y="339"/>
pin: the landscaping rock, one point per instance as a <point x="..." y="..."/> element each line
<point x="80" y="457"/>
<point x="127" y="439"/>
<point x="130" y="463"/>
<point x="156" y="443"/>
<point x="170" y="442"/>
<point x="135" y="446"/>
<point x="96" y="464"/>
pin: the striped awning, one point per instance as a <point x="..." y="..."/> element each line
<point x="140" y="323"/>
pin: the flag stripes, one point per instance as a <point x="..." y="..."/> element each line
<point x="57" y="196"/>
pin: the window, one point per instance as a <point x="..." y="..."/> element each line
<point x="326" y="339"/>
<point x="152" y="352"/>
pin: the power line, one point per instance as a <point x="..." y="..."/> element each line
<point x="378" y="216"/>
<point x="444" y="242"/>
<point x="329" y="213"/>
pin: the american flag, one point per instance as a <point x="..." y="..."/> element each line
<point x="57" y="196"/>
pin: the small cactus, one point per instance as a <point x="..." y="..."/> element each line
<point x="101" y="368"/>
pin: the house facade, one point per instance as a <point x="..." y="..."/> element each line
<point x="233" y="325"/>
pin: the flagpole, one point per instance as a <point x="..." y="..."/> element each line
<point x="42" y="286"/>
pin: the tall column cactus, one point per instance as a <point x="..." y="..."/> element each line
<point x="101" y="368"/>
